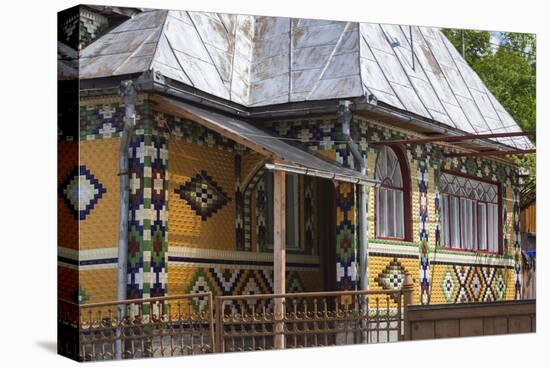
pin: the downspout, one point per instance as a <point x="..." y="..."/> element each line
<point x="344" y="114"/>
<point x="129" y="97"/>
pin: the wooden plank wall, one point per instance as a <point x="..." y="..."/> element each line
<point x="449" y="321"/>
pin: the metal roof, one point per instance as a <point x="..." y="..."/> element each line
<point x="67" y="62"/>
<point x="260" y="61"/>
<point x="282" y="154"/>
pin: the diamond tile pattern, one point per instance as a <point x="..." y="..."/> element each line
<point x="81" y="191"/>
<point x="448" y="286"/>
<point x="392" y="276"/>
<point x="203" y="194"/>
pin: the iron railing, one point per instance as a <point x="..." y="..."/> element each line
<point x="199" y="323"/>
<point x="268" y="321"/>
<point x="153" y="327"/>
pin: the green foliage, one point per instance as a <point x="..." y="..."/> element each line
<point x="477" y="45"/>
<point x="509" y="71"/>
<point x="510" y="78"/>
<point x="523" y="44"/>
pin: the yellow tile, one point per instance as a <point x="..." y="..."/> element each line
<point x="100" y="228"/>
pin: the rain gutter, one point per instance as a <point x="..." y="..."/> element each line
<point x="129" y="96"/>
<point x="345" y="117"/>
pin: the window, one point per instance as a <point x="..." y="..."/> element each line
<point x="469" y="214"/>
<point x="292" y="209"/>
<point x="391" y="196"/>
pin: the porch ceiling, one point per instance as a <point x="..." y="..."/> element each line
<point x="280" y="154"/>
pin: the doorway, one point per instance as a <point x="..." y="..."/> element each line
<point x="326" y="233"/>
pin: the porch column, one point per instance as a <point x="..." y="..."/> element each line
<point x="279" y="254"/>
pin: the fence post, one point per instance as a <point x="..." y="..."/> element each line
<point x="211" y="320"/>
<point x="219" y="345"/>
<point x="407" y="288"/>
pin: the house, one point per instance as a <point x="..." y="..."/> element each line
<point x="383" y="149"/>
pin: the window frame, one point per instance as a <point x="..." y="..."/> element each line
<point x="405" y="190"/>
<point x="486" y="204"/>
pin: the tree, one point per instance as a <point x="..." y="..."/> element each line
<point x="511" y="79"/>
<point x="523" y="44"/>
<point x="509" y="72"/>
<point x="477" y="44"/>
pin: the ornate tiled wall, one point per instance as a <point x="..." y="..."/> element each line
<point x="89" y="192"/>
<point x="148" y="221"/>
<point x="67" y="161"/>
<point x="68" y="222"/>
<point x="88" y="199"/>
<point x="209" y="190"/>
<point x="464" y="283"/>
<point x="215" y="239"/>
<point x="80" y="25"/>
<point x="98" y="168"/>
<point x="195" y="222"/>
<point x="423" y="234"/>
<point x="323" y="136"/>
<point x="346" y="246"/>
<point x="387" y="272"/>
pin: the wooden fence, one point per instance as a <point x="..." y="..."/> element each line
<point x="449" y="321"/>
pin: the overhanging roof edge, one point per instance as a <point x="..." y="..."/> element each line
<point x="266" y="144"/>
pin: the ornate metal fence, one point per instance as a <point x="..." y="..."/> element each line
<point x="194" y="324"/>
<point x="154" y="327"/>
<point x="259" y="322"/>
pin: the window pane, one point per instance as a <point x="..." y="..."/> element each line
<point x="382" y="213"/>
<point x="400" y="230"/>
<point x="391" y="213"/>
<point x="492" y="223"/>
<point x="381" y="164"/>
<point x="473" y="226"/>
<point x="390" y="161"/>
<point x="495" y="228"/>
<point x="467" y="224"/>
<point x="463" y="224"/>
<point x="482" y="225"/>
<point x="445" y="230"/>
<point x="378" y="218"/>
<point x="455" y="222"/>
<point x="473" y="222"/>
<point x="397" y="180"/>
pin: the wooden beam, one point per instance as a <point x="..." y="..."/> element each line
<point x="451" y="138"/>
<point x="279" y="254"/>
<point x="491" y="153"/>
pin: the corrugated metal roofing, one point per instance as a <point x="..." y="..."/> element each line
<point x="259" y="61"/>
<point x="267" y="144"/>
